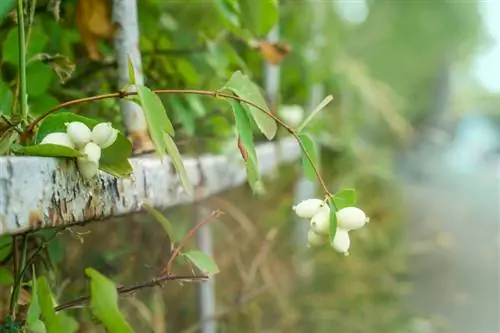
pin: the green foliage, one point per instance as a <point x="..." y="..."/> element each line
<point x="203" y="261"/>
<point x="5" y="246"/>
<point x="49" y="316"/>
<point x="104" y="303"/>
<point x="344" y="198"/>
<point x="46" y="150"/>
<point x="34" y="311"/>
<point x="311" y="151"/>
<point x="176" y="157"/>
<point x="243" y="87"/>
<point x="10" y="326"/>
<point x="165" y="223"/>
<point x="6" y="277"/>
<point x="333" y="218"/>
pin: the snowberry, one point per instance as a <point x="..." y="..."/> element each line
<point x="93" y="152"/>
<point x="58" y="138"/>
<point x="313" y="239"/>
<point x="341" y="241"/>
<point x="351" y="218"/>
<point x="308" y="208"/>
<point x="87" y="168"/>
<point x="79" y="133"/>
<point x="320" y="222"/>
<point x="104" y="135"/>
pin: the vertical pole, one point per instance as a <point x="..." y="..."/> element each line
<point x="205" y="290"/>
<point x="126" y="42"/>
<point x="272" y="73"/>
<point x="305" y="188"/>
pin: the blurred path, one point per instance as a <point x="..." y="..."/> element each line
<point x="454" y="237"/>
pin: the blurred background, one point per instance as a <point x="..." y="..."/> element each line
<point x="414" y="127"/>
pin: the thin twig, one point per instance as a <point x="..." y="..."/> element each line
<point x="215" y="214"/>
<point x="215" y="94"/>
<point x="127" y="290"/>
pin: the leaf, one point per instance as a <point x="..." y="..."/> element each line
<point x="345" y="198"/>
<point x="196" y="105"/>
<point x="176" y="157"/>
<point x="246" y="146"/>
<point x="156" y="117"/>
<point x="185" y="116"/>
<point x="49" y="316"/>
<point x="333" y="218"/>
<point x="314" y="112"/>
<point x="33" y="315"/>
<point x="69" y="323"/>
<point x="259" y="16"/>
<point x="6" y="99"/>
<point x="10" y="50"/>
<point x="6" y="278"/>
<point x="5" y="246"/>
<point x="243" y="87"/>
<point x="42" y="103"/>
<point x="104" y="303"/>
<point x="114" y="159"/>
<point x="60" y="64"/>
<point x="46" y="150"/>
<point x="311" y="151"/>
<point x="203" y="261"/>
<point x="6" y="6"/>
<point x="37" y="327"/>
<point x="131" y="71"/>
<point x="229" y="10"/>
<point x="165" y="223"/>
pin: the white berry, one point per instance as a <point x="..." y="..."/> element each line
<point x="313" y="239"/>
<point x="79" y="133"/>
<point x="58" y="138"/>
<point x="104" y="135"/>
<point x="87" y="168"/>
<point x="351" y="218"/>
<point x="341" y="241"/>
<point x="93" y="152"/>
<point x="320" y="222"/>
<point x="308" y="208"/>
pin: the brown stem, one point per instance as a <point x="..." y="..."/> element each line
<point x="215" y="214"/>
<point x="215" y="94"/>
<point x="130" y="289"/>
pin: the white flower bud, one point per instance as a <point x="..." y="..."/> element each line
<point x="87" y="168"/>
<point x="79" y="133"/>
<point x="320" y="222"/>
<point x="313" y="239"/>
<point x="351" y="218"/>
<point x="308" y="208"/>
<point x="341" y="241"/>
<point x="104" y="135"/>
<point x="58" y="138"/>
<point x="92" y="151"/>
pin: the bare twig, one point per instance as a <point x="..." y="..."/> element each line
<point x="127" y="290"/>
<point x="215" y="214"/>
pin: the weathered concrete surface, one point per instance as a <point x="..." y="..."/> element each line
<point x="454" y="235"/>
<point x="43" y="192"/>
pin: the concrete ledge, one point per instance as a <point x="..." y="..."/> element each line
<point x="38" y="192"/>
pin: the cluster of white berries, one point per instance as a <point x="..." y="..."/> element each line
<point x="78" y="136"/>
<point x="348" y="218"/>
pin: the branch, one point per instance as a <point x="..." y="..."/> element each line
<point x="175" y="253"/>
<point x="127" y="290"/>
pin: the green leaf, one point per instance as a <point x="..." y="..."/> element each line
<point x="6" y="99"/>
<point x="176" y="157"/>
<point x="345" y="198"/>
<point x="49" y="316"/>
<point x="10" y="50"/>
<point x="69" y="323"/>
<point x="5" y="246"/>
<point x="42" y="103"/>
<point x="114" y="159"/>
<point x="6" y="278"/>
<point x="37" y="327"/>
<point x="104" y="303"/>
<point x="39" y="78"/>
<point x="259" y="16"/>
<point x="333" y="218"/>
<point x="314" y="112"/>
<point x="203" y="261"/>
<point x="229" y="10"/>
<point x="61" y="65"/>
<point x="165" y="223"/>
<point x="311" y="151"/>
<point x="243" y="87"/>
<point x="131" y="71"/>
<point x="196" y="105"/>
<point x="185" y="116"/>
<point x="247" y="147"/>
<point x="32" y="318"/>
<point x="46" y="150"/>
<point x="6" y="6"/>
